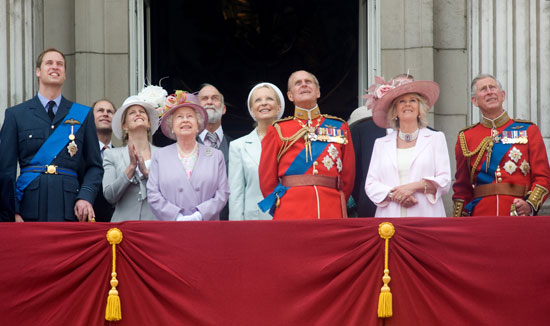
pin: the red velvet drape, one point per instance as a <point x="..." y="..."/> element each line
<point x="467" y="271"/>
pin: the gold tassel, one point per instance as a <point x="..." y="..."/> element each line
<point x="385" y="307"/>
<point x="112" y="311"/>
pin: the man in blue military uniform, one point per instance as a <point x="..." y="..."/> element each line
<point x="55" y="143"/>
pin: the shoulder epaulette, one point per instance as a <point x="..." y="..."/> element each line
<point x="333" y="117"/>
<point x="524" y="121"/>
<point x="469" y="127"/>
<point x="283" y="119"/>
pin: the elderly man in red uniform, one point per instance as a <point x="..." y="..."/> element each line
<point x="501" y="163"/>
<point x="307" y="166"/>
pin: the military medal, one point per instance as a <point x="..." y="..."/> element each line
<point x="525" y="168"/>
<point x="515" y="154"/>
<point x="514" y="137"/>
<point x="495" y="135"/>
<point x="510" y="167"/>
<point x="72" y="148"/>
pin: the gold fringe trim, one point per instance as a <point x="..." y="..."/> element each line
<point x="385" y="307"/>
<point x="113" y="311"/>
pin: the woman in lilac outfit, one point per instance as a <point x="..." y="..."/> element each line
<point x="187" y="180"/>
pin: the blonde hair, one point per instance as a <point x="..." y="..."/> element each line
<point x="277" y="99"/>
<point x="423" y="109"/>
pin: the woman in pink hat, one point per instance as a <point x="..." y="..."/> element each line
<point x="187" y="180"/>
<point x="409" y="171"/>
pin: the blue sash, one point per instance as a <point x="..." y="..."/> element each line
<point x="298" y="167"/>
<point x="52" y="146"/>
<point x="499" y="150"/>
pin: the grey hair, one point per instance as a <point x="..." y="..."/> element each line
<point x="478" y="78"/>
<point x="222" y="100"/>
<point x="315" y="80"/>
<point x="199" y="117"/>
<point x="423" y="109"/>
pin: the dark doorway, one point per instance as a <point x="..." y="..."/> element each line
<point x="234" y="44"/>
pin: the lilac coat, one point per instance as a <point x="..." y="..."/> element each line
<point x="170" y="192"/>
<point x="430" y="161"/>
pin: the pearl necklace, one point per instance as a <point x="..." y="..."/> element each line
<point x="408" y="137"/>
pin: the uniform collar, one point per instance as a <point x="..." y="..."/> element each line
<point x="500" y="121"/>
<point x="306" y="114"/>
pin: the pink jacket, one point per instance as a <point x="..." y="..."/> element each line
<point x="430" y="161"/>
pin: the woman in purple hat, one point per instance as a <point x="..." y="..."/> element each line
<point x="187" y="180"/>
<point x="409" y="171"/>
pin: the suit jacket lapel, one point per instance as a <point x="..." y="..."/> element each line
<point x="422" y="142"/>
<point x="253" y="147"/>
<point x="38" y="110"/>
<point x="62" y="110"/>
<point x="181" y="174"/>
<point x="390" y="141"/>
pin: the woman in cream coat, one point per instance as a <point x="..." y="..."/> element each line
<point x="127" y="168"/>
<point x="265" y="104"/>
<point x="409" y="171"/>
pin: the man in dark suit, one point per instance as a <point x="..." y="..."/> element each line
<point x="103" y="117"/>
<point x="51" y="138"/>
<point x="7" y="209"/>
<point x="212" y="101"/>
<point x="363" y="133"/>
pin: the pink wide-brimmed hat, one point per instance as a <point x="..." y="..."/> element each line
<point x="380" y="96"/>
<point x="175" y="101"/>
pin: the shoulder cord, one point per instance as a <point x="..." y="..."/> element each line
<point x="289" y="141"/>
<point x="487" y="142"/>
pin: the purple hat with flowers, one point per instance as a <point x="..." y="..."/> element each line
<point x="381" y="94"/>
<point x="175" y="101"/>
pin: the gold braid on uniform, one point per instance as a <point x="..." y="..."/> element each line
<point x="536" y="197"/>
<point x="289" y="141"/>
<point x="487" y="142"/>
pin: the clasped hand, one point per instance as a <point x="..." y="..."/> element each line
<point x="136" y="160"/>
<point x="404" y="195"/>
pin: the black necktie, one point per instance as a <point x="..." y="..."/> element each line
<point x="50" y="109"/>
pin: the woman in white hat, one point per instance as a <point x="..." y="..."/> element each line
<point x="188" y="180"/>
<point x="127" y="168"/>
<point x="265" y="104"/>
<point x="409" y="171"/>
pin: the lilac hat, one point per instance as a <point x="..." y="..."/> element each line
<point x="277" y="91"/>
<point x="176" y="101"/>
<point x="380" y="96"/>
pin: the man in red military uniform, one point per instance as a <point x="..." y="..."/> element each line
<point x="307" y="166"/>
<point x="501" y="163"/>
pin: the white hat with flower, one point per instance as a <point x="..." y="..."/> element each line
<point x="150" y="98"/>
<point x="381" y="94"/>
